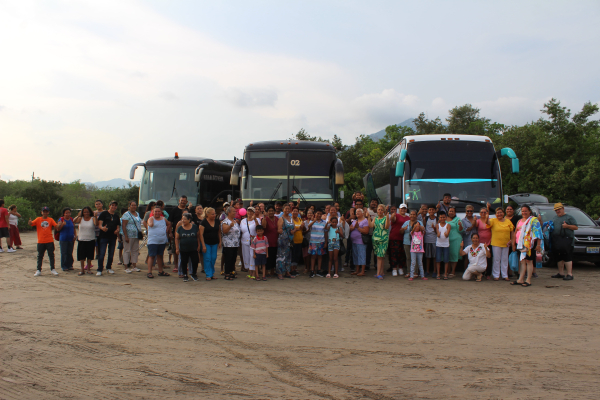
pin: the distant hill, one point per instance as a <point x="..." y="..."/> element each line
<point x="115" y="183"/>
<point x="378" y="135"/>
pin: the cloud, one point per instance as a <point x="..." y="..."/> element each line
<point x="387" y="107"/>
<point x="252" y="97"/>
<point x="168" y="96"/>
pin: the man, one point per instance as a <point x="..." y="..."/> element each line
<point x="564" y="225"/>
<point x="445" y="205"/>
<point x="4" y="228"/>
<point x="278" y="209"/>
<point x="45" y="240"/>
<point x="370" y="214"/>
<point x="174" y="219"/>
<point x="109" y="223"/>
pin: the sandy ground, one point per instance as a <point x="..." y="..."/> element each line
<point x="126" y="336"/>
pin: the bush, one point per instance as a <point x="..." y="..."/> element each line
<point x="25" y="208"/>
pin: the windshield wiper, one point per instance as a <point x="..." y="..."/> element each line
<point x="299" y="194"/>
<point x="174" y="188"/>
<point x="274" y="193"/>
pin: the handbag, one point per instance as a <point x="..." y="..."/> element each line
<point x="140" y="235"/>
<point x="366" y="238"/>
<point x="342" y="249"/>
<point x="513" y="261"/>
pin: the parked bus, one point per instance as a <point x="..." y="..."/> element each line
<point x="283" y="170"/>
<point x="422" y="168"/>
<point x="203" y="180"/>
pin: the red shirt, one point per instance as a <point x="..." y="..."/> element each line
<point x="271" y="231"/>
<point x="3" y="214"/>
<point x="396" y="226"/>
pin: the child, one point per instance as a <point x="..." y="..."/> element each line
<point x="417" y="249"/>
<point x="442" y="245"/>
<point x="45" y="239"/>
<point x="334" y="233"/>
<point x="316" y="248"/>
<point x="259" y="246"/>
<point x="430" y="221"/>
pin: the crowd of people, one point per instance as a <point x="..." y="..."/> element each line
<point x="273" y="240"/>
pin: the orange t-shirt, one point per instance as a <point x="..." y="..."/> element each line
<point x="44" y="229"/>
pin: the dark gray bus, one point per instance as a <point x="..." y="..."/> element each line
<point x="284" y="170"/>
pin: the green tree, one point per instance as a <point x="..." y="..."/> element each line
<point x="24" y="208"/>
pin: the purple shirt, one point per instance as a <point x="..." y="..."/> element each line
<point x="355" y="235"/>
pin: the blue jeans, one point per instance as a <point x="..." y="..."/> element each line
<point x="104" y="243"/>
<point x="66" y="254"/>
<point x="416" y="259"/>
<point x="209" y="259"/>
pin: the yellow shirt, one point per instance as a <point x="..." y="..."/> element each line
<point x="298" y="234"/>
<point x="500" y="231"/>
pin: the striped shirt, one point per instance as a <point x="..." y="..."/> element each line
<point x="317" y="232"/>
<point x="260" y="244"/>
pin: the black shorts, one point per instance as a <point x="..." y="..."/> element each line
<point x="563" y="256"/>
<point x="4" y="232"/>
<point x="85" y="249"/>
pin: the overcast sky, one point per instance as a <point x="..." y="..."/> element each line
<point x="88" y="88"/>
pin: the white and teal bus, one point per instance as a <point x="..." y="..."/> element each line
<point x="422" y="168"/>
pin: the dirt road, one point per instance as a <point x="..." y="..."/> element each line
<point x="126" y="336"/>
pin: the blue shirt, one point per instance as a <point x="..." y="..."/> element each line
<point x="317" y="232"/>
<point x="67" y="232"/>
<point x="407" y="232"/>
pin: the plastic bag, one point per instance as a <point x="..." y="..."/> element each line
<point x="513" y="261"/>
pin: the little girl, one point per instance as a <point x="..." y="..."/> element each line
<point x="334" y="233"/>
<point x="259" y="246"/>
<point x="416" y="251"/>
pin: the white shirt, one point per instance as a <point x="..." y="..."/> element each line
<point x="246" y="233"/>
<point x="442" y="240"/>
<point x="477" y="256"/>
<point x="13" y="219"/>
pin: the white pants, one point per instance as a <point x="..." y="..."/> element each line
<point x="248" y="256"/>
<point x="473" y="270"/>
<point x="500" y="262"/>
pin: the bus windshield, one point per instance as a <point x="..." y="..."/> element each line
<point x="168" y="184"/>
<point x="468" y="170"/>
<point x="279" y="175"/>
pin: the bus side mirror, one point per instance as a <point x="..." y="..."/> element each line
<point x="132" y="171"/>
<point x="199" y="171"/>
<point x="507" y="151"/>
<point x="234" y="180"/>
<point x="399" y="169"/>
<point x="339" y="172"/>
<point x="515" y="166"/>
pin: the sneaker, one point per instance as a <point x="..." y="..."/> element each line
<point x="394" y="272"/>
<point x="37" y="273"/>
<point x="110" y="271"/>
<point x="11" y="250"/>
<point x="342" y="269"/>
<point x="321" y="274"/>
<point x="185" y="278"/>
<point x="568" y="278"/>
<point x="136" y="269"/>
<point x="194" y="277"/>
<point x="400" y="272"/>
<point x="99" y="273"/>
<point x="312" y="274"/>
<point x="127" y="271"/>
<point x="53" y="272"/>
<point x="558" y="276"/>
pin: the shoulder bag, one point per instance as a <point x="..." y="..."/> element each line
<point x="140" y="235"/>
<point x="562" y="243"/>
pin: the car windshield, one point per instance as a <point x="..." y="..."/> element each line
<point x="547" y="214"/>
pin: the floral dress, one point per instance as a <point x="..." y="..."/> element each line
<point x="380" y="237"/>
<point x="284" y="247"/>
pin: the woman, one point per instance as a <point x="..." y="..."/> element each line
<point x="306" y="240"/>
<point x="316" y="248"/>
<point x="210" y="237"/>
<point x="158" y="237"/>
<point x="149" y="212"/>
<point x="469" y="223"/>
<point x="231" y="241"/>
<point x="187" y="243"/>
<point x="197" y="218"/>
<point x="485" y="236"/>
<point x="510" y="214"/>
<point x="286" y="230"/>
<point x="528" y="241"/>
<point x="297" y="242"/>
<point x="86" y="240"/>
<point x="66" y="227"/>
<point x="380" y="225"/>
<point x="99" y="204"/>
<point x="477" y="253"/>
<point x="455" y="238"/>
<point x="248" y="228"/>
<point x="270" y="224"/>
<point x="13" y="221"/>
<point x="132" y="231"/>
<point x="502" y="236"/>
<point x="397" y="252"/>
<point x="359" y="227"/>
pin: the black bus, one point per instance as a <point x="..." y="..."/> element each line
<point x="203" y="180"/>
<point x="284" y="170"/>
<point x="422" y="168"/>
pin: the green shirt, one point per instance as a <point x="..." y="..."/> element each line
<point x="559" y="231"/>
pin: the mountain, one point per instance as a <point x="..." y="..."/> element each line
<point x="378" y="135"/>
<point x="115" y="183"/>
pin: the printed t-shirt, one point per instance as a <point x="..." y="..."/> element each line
<point x="355" y="235"/>
<point x="112" y="221"/>
<point x="67" y="232"/>
<point x="333" y="236"/>
<point x="211" y="233"/>
<point x="396" y="226"/>
<point x="133" y="223"/>
<point x="298" y="234"/>
<point x="500" y="231"/>
<point x="44" y="229"/>
<point x="407" y="231"/>
<point x="271" y="231"/>
<point x="188" y="238"/>
<point x="3" y="214"/>
<point x="317" y="232"/>
<point x="260" y="244"/>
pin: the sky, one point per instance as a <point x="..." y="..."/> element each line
<point x="88" y="88"/>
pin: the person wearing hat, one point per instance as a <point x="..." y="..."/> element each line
<point x="565" y="225"/>
<point x="45" y="240"/>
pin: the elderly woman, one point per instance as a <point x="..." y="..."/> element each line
<point x="455" y="238"/>
<point x="132" y="231"/>
<point x="210" y="238"/>
<point x="269" y="222"/>
<point x="527" y="240"/>
<point x="248" y="228"/>
<point x="469" y="223"/>
<point x="477" y="253"/>
<point x="231" y="241"/>
<point x="359" y="227"/>
<point x="502" y="237"/>
<point x="380" y="225"/>
<point x="286" y="230"/>
<point x="158" y="229"/>
<point x="485" y="235"/>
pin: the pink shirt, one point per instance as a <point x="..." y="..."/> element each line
<point x="485" y="233"/>
<point x="519" y="226"/>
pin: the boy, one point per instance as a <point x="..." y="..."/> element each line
<point x="259" y="246"/>
<point x="4" y="228"/>
<point x="442" y="244"/>
<point x="45" y="240"/>
<point x="334" y="233"/>
<point x="430" y="221"/>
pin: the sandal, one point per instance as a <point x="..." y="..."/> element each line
<point x="209" y="279"/>
<point x="525" y="284"/>
<point x="264" y="278"/>
<point x="516" y="283"/>
<point x="451" y="276"/>
<point x="445" y="278"/>
<point x="81" y="273"/>
<point x="149" y="276"/>
<point x="438" y="277"/>
<point x="163" y="273"/>
<point x="335" y="276"/>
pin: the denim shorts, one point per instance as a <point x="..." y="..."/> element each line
<point x="442" y="254"/>
<point x="156" y="249"/>
<point x="333" y="245"/>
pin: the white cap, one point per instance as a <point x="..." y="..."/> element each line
<point x="403" y="206"/>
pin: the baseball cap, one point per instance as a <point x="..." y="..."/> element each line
<point x="226" y="204"/>
<point x="251" y="209"/>
<point x="45" y="208"/>
<point x="558" y="206"/>
<point x="403" y="206"/>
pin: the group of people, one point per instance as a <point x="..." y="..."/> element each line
<point x="276" y="239"/>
